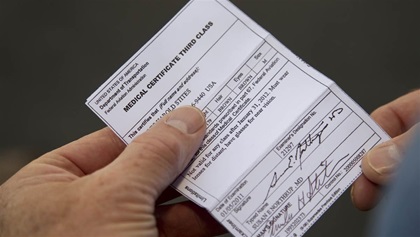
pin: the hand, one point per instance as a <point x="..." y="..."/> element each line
<point x="399" y="120"/>
<point x="96" y="186"/>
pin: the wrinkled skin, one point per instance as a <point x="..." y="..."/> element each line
<point x="400" y="119"/>
<point x="96" y="186"/>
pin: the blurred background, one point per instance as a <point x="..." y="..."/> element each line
<point x="54" y="54"/>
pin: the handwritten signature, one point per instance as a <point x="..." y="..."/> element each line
<point x="301" y="148"/>
<point x="338" y="111"/>
<point x="317" y="181"/>
<point x="312" y="138"/>
<point x="276" y="227"/>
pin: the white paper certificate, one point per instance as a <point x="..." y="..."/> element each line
<point x="283" y="141"/>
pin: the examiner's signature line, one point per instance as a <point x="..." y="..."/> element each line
<point x="312" y="138"/>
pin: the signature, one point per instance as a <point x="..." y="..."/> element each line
<point x="303" y="146"/>
<point x="317" y="181"/>
<point x="311" y="139"/>
<point x="275" y="179"/>
<point x="338" y="111"/>
<point x="276" y="227"/>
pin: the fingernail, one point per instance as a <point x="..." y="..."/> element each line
<point x="384" y="158"/>
<point x="186" y="119"/>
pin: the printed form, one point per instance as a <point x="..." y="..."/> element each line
<point x="283" y="141"/>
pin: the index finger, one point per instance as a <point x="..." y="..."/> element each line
<point x="88" y="153"/>
<point x="399" y="115"/>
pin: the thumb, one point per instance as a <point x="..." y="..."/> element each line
<point x="380" y="163"/>
<point x="155" y="158"/>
